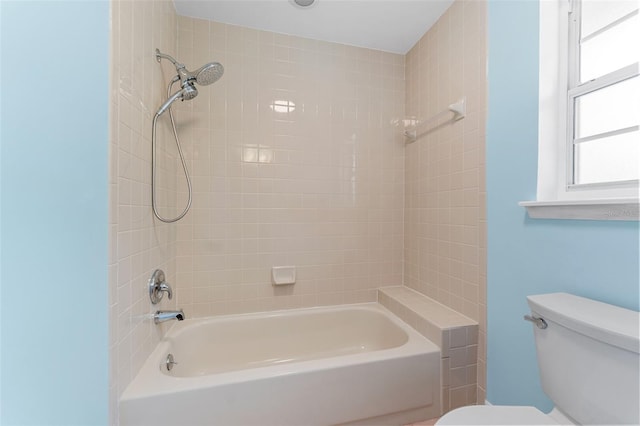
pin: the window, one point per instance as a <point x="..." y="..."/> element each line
<point x="589" y="128"/>
<point x="603" y="94"/>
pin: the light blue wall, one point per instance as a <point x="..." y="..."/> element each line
<point x="594" y="259"/>
<point x="54" y="134"/>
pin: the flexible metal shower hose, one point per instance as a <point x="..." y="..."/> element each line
<point x="153" y="164"/>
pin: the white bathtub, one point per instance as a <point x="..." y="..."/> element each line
<point x="320" y="366"/>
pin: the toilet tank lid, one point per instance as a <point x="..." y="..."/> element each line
<point x="607" y="323"/>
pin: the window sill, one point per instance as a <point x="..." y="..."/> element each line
<point x="605" y="209"/>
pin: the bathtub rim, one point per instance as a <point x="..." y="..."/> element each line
<point x="150" y="380"/>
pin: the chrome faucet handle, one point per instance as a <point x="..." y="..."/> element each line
<point x="166" y="288"/>
<point x="158" y="286"/>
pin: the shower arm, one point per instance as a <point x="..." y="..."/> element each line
<point x="180" y="68"/>
<point x="184" y="74"/>
<point x="160" y="55"/>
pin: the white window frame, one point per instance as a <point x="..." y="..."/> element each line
<point x="556" y="197"/>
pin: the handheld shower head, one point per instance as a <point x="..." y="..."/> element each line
<point x="205" y="75"/>
<point x="208" y="73"/>
<point x="187" y="93"/>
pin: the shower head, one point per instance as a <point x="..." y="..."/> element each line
<point x="205" y="75"/>
<point x="208" y="73"/>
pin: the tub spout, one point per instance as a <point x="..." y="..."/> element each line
<point x="162" y="316"/>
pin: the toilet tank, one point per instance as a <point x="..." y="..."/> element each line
<point x="589" y="358"/>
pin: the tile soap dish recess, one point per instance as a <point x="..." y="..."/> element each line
<point x="283" y="275"/>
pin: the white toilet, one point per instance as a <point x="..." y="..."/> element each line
<point x="589" y="359"/>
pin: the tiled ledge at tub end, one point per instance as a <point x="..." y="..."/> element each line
<point x="604" y="209"/>
<point x="455" y="334"/>
<point x="426" y="315"/>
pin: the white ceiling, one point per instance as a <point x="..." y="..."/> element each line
<point x="388" y="25"/>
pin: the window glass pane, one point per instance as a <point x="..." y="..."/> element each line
<point x="611" y="108"/>
<point x="612" y="159"/>
<point x="597" y="14"/>
<point x="610" y="50"/>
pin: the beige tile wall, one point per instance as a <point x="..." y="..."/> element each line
<point x="295" y="160"/>
<point x="138" y="243"/>
<point x="323" y="185"/>
<point x="445" y="220"/>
